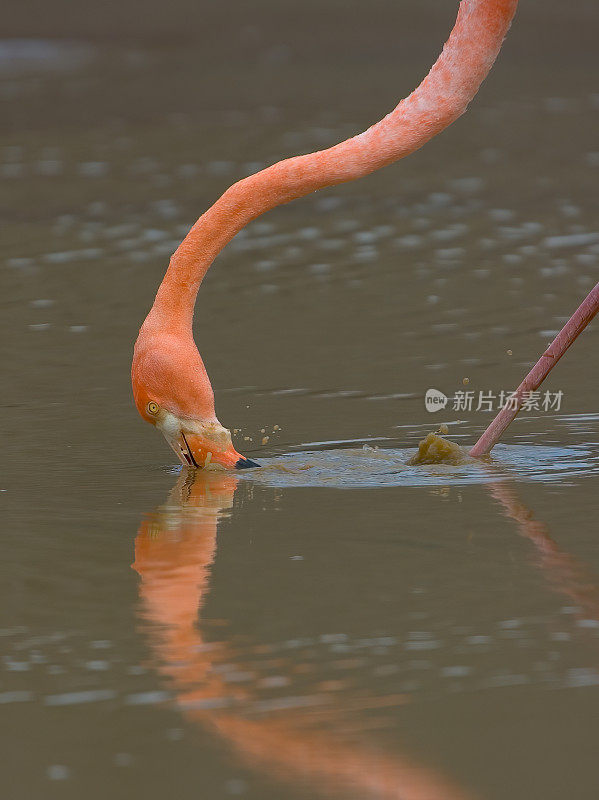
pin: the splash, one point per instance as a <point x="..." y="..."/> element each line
<point x="434" y="449"/>
<point x="378" y="463"/>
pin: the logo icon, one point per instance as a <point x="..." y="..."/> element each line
<point x="434" y="400"/>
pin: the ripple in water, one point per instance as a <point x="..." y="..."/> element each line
<point x="366" y="466"/>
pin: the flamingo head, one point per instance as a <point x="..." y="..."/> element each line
<point x="172" y="391"/>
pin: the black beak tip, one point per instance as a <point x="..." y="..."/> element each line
<point x="245" y="463"/>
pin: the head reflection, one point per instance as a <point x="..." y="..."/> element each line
<point x="174" y="550"/>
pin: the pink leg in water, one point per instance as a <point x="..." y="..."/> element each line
<point x="573" y="327"/>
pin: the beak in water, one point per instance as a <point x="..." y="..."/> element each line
<point x="244" y="463"/>
<point x="194" y="451"/>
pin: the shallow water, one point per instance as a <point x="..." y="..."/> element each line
<point x="350" y="467"/>
<point x="334" y="623"/>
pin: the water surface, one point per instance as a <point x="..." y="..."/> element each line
<point x="334" y="623"/>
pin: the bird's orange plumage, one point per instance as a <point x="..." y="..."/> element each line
<point x="167" y="367"/>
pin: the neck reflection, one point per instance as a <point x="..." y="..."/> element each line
<point x="174" y="550"/>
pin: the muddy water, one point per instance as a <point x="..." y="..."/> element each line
<point x="335" y="623"/>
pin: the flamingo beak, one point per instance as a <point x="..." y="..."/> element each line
<point x="195" y="451"/>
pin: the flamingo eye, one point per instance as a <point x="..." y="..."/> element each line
<point x="152" y="408"/>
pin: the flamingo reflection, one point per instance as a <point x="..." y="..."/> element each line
<point x="174" y="550"/>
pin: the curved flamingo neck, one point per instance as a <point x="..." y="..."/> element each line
<point x="441" y="98"/>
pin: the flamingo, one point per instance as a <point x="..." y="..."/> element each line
<point x="171" y="387"/>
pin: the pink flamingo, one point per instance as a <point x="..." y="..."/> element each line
<point x="170" y="384"/>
